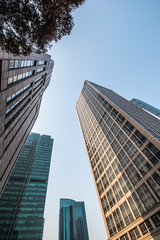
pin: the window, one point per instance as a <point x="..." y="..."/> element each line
<point x="114" y="113"/>
<point x="116" y="167"/>
<point x="123" y="158"/>
<point x="156" y="219"/>
<point x="124" y="182"/>
<point x="120" y="119"/>
<point x="109" y="108"/>
<point x="142" y="165"/>
<point x="118" y="219"/>
<point x="110" y="154"/>
<point x="138" y="138"/>
<point x="121" y="137"/>
<point x="105" y="181"/>
<point x="155" y="185"/>
<point x="128" y="128"/>
<point x="105" y="144"/>
<point x="111" y="198"/>
<point x="17" y="93"/>
<point x="145" y="227"/>
<point x="40" y="62"/>
<point x="11" y="64"/>
<point x="16" y="63"/>
<point x="96" y="157"/>
<point x="100" y="187"/>
<point x="109" y="121"/>
<point x="100" y="151"/>
<point x="146" y="196"/>
<point x="133" y="206"/>
<point x="133" y="174"/>
<point x="154" y="150"/>
<point x="128" y="217"/>
<point x="105" y="161"/>
<point x="19" y="77"/>
<point x="10" y="80"/>
<point x="124" y="237"/>
<point x="115" y="128"/>
<point x="134" y="234"/>
<point x="150" y="156"/>
<point x="115" y="146"/>
<point x="110" y="174"/>
<point x="110" y="136"/>
<point x="105" y="205"/>
<point x="117" y="191"/>
<point x="96" y="174"/>
<point x="40" y="70"/>
<point x="93" y="163"/>
<point x="100" y="168"/>
<point x="111" y="225"/>
<point x="130" y="149"/>
<point x="138" y="204"/>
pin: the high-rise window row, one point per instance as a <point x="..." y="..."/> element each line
<point x="124" y="157"/>
<point x="23" y="81"/>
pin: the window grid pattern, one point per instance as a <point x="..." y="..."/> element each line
<point x="96" y="115"/>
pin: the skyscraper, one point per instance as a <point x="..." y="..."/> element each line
<point x="23" y="199"/>
<point x="123" y="146"/>
<point x="146" y="106"/>
<point x="72" y="220"/>
<point x="23" y="81"/>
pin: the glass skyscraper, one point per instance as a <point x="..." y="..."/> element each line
<point x="72" y="220"/>
<point x="23" y="200"/>
<point x="123" y="147"/>
<point x="146" y="106"/>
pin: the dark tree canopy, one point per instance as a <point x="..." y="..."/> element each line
<point x="32" y="24"/>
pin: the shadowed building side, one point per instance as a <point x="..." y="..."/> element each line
<point x="23" y="81"/>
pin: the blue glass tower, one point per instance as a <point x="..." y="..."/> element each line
<point x="23" y="200"/>
<point x="146" y="106"/>
<point x="72" y="221"/>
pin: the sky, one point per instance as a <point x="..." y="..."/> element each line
<point x="115" y="44"/>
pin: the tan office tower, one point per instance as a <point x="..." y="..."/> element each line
<point x="123" y="146"/>
<point x="23" y="81"/>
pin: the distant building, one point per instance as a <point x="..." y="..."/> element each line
<point x="123" y="146"/>
<point x="147" y="107"/>
<point x="23" y="81"/>
<point x="23" y="199"/>
<point x="72" y="220"/>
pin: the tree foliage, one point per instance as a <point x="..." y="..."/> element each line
<point x="32" y="24"/>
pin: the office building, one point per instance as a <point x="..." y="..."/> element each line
<point x="123" y="147"/>
<point x="23" y="81"/>
<point x="72" y="220"/>
<point x="147" y="107"/>
<point x="23" y="199"/>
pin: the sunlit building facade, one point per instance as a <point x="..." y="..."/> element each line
<point x="123" y="147"/>
<point x="23" y="81"/>
<point x="23" y="199"/>
<point x="72" y="220"/>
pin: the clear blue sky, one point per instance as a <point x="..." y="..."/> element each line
<point x="115" y="44"/>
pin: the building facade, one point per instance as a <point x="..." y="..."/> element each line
<point x="72" y="220"/>
<point x="123" y="147"/>
<point x="23" y="81"/>
<point x="23" y="199"/>
<point x="147" y="107"/>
